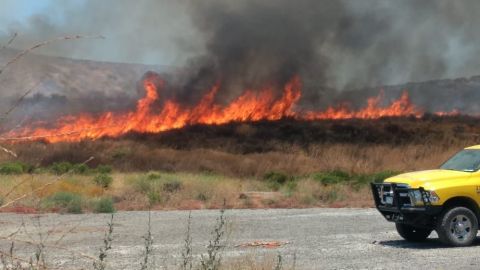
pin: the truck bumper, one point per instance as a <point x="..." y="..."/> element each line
<point x="400" y="209"/>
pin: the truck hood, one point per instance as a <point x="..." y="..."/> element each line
<point x="430" y="179"/>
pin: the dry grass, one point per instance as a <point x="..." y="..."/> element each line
<point x="140" y="191"/>
<point x="251" y="150"/>
<point x="202" y="165"/>
<point x="208" y="191"/>
<point x="374" y="158"/>
<point x="129" y="156"/>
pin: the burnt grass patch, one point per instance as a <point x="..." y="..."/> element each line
<point x="256" y="148"/>
<point x="265" y="136"/>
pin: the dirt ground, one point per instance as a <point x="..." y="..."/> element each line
<point x="308" y="238"/>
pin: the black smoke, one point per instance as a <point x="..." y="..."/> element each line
<point x="331" y="44"/>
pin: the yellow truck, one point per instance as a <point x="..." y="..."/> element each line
<point x="445" y="200"/>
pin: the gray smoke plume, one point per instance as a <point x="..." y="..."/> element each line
<point x="341" y="44"/>
<point x="253" y="44"/>
<point x="330" y="44"/>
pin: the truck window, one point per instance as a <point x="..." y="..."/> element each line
<point x="467" y="160"/>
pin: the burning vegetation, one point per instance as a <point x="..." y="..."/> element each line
<point x="260" y="61"/>
<point x="155" y="114"/>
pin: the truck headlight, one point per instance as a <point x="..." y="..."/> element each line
<point x="434" y="197"/>
<point x="416" y="197"/>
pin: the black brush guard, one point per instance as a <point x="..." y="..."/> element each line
<point x="401" y="209"/>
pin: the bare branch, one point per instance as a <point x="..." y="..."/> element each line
<point x="28" y="242"/>
<point x="18" y="57"/>
<point x="7" y="254"/>
<point x="15" y="188"/>
<point x="71" y="230"/>
<point x="19" y="100"/>
<point x="31" y="138"/>
<point x="10" y="152"/>
<point x="18" y="229"/>
<point x="7" y="113"/>
<point x="44" y="43"/>
<point x="42" y="187"/>
<point x="10" y="41"/>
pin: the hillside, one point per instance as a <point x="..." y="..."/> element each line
<point x="68" y="86"/>
<point x="437" y="95"/>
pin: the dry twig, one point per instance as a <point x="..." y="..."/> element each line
<point x="8" y="151"/>
<point x="100" y="263"/>
<point x="31" y="138"/>
<point x="9" y="111"/>
<point x="148" y="244"/>
<point x="22" y="54"/>
<point x="10" y="41"/>
<point x="187" y="255"/>
<point x="15" y="188"/>
<point x="44" y="43"/>
<point x="12" y="258"/>
<point x="19" y="100"/>
<point x="33" y="243"/>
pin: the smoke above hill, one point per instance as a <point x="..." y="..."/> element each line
<point x="339" y="44"/>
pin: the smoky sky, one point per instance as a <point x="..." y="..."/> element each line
<point x="345" y="44"/>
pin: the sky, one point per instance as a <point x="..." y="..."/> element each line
<point x="342" y="44"/>
<point x="38" y="20"/>
<point x="21" y="10"/>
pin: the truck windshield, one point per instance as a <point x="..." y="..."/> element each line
<point x="466" y="161"/>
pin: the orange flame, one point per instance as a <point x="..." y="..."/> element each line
<point x="454" y="112"/>
<point x="400" y="107"/>
<point x="250" y="106"/>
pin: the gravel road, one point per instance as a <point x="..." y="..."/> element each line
<point x="311" y="238"/>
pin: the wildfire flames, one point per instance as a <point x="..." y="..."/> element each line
<point x="249" y="106"/>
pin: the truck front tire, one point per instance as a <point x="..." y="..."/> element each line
<point x="457" y="227"/>
<point x="411" y="233"/>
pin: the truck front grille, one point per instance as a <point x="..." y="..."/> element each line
<point x="387" y="195"/>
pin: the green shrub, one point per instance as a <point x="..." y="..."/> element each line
<point x="104" y="205"/>
<point x="60" y="168"/>
<point x="12" y="168"/>
<point x="276" y="180"/>
<point x="144" y="183"/>
<point x="172" y="186"/>
<point x="364" y="179"/>
<point x="104" y="169"/>
<point x="154" y="197"/>
<point x="103" y="180"/>
<point x="201" y="196"/>
<point x="332" y="196"/>
<point x="356" y="180"/>
<point x="27" y="168"/>
<point x="332" y="177"/>
<point x="66" y="201"/>
<point x="276" y="177"/>
<point x="290" y="187"/>
<point x="121" y="153"/>
<point x="81" y="169"/>
<point x="41" y="170"/>
<point x="154" y="176"/>
<point x="64" y="167"/>
<point x="381" y="176"/>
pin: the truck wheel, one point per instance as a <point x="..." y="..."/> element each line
<point x="457" y="226"/>
<point x="411" y="233"/>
